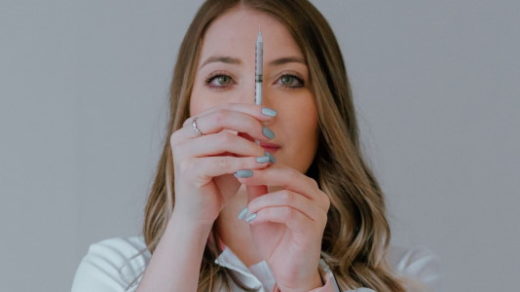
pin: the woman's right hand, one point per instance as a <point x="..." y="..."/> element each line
<point x="204" y="165"/>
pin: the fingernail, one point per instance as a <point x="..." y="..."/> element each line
<point x="250" y="217"/>
<point x="242" y="173"/>
<point x="271" y="157"/>
<point x="267" y="132"/>
<point x="269" y="112"/>
<point x="263" y="159"/>
<point x="243" y="213"/>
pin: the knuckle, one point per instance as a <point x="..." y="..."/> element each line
<point x="177" y="149"/>
<point x="178" y="136"/>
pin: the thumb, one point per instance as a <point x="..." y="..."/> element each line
<point x="255" y="191"/>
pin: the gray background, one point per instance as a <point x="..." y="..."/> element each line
<point x="83" y="101"/>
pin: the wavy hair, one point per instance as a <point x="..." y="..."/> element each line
<point x="357" y="235"/>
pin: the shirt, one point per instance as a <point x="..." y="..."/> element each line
<point x="118" y="264"/>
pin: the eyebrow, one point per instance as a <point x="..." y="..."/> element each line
<point x="235" y="61"/>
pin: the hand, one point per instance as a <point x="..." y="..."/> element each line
<point x="203" y="165"/>
<point x="289" y="224"/>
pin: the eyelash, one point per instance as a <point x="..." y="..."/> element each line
<point x="220" y="74"/>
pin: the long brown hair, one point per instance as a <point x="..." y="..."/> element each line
<point x="357" y="234"/>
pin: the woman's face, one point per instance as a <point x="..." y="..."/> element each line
<point x="226" y="74"/>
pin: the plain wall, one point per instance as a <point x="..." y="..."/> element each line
<point x="83" y="111"/>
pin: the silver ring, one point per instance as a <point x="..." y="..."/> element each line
<point x="195" y="128"/>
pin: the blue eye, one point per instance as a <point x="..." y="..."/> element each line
<point x="219" y="81"/>
<point x="291" y="81"/>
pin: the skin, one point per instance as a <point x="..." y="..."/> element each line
<point x="296" y="125"/>
<point x="291" y="209"/>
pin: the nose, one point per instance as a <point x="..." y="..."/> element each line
<point x="248" y="95"/>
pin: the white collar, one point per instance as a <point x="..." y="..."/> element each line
<point x="229" y="260"/>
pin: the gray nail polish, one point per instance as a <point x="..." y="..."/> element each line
<point x="267" y="132"/>
<point x="250" y="217"/>
<point x="263" y="159"/>
<point x="269" y="112"/>
<point x="242" y="173"/>
<point x="243" y="213"/>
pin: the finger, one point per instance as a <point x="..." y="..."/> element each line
<point x="227" y="119"/>
<point x="285" y="198"/>
<point x="215" y="144"/>
<point x="292" y="218"/>
<point x="247" y="108"/>
<point x="220" y="165"/>
<point x="245" y="119"/>
<point x="290" y="179"/>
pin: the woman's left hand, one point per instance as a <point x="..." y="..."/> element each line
<point x="289" y="224"/>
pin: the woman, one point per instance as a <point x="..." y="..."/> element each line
<point x="299" y="211"/>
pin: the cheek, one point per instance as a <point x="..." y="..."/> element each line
<point x="303" y="146"/>
<point x="195" y="101"/>
<point x="199" y="101"/>
<point x="304" y="118"/>
<point x="300" y="128"/>
<point x="194" y="107"/>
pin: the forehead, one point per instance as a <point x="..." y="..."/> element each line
<point x="234" y="33"/>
